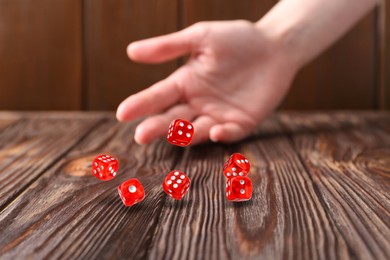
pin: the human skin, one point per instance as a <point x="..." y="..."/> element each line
<point x="238" y="72"/>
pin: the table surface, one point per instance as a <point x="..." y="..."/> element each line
<point x="321" y="186"/>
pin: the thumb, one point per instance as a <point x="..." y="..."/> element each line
<point x="167" y="47"/>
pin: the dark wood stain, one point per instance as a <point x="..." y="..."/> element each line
<point x="321" y="191"/>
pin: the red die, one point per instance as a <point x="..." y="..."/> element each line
<point x="236" y="165"/>
<point x="176" y="184"/>
<point x="105" y="167"/>
<point x="239" y="189"/>
<point x="131" y="192"/>
<point x="180" y="132"/>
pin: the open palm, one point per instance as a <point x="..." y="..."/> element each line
<point x="233" y="79"/>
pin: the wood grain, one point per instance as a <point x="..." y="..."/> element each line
<point x="285" y="218"/>
<point x="351" y="175"/>
<point x="321" y="191"/>
<point x="30" y="146"/>
<point x="40" y="50"/>
<point x="81" y="217"/>
<point x="196" y="10"/>
<point x="109" y="27"/>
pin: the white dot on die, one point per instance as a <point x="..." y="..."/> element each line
<point x="189" y="126"/>
<point x="178" y="181"/>
<point x="228" y="174"/>
<point x="242" y="191"/>
<point x="132" y="188"/>
<point x="188" y="134"/>
<point x="241" y="174"/>
<point x="234" y="169"/>
<point x="238" y="161"/>
<point x="169" y="182"/>
<point x="181" y="124"/>
<point x="180" y="132"/>
<point x="246" y="160"/>
<point x="173" y="177"/>
<point x="110" y="168"/>
<point x="242" y="161"/>
<point x="182" y="177"/>
<point x="175" y="185"/>
<point x="176" y="173"/>
<point x="234" y="174"/>
<point x="242" y="182"/>
<point x="95" y="163"/>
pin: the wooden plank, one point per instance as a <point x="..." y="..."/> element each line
<point x="348" y="158"/>
<point x="341" y="78"/>
<point x="203" y="10"/>
<point x="386" y="31"/>
<point x="31" y="146"/>
<point x="7" y="120"/>
<point x="285" y="218"/>
<point x="330" y="200"/>
<point x="40" y="50"/>
<point x="68" y="213"/>
<point x="109" y="27"/>
<point x="381" y="56"/>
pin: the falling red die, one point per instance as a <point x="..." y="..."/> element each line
<point x="131" y="192"/>
<point x="239" y="189"/>
<point x="176" y="184"/>
<point x="105" y="167"/>
<point x="236" y="165"/>
<point x="180" y="132"/>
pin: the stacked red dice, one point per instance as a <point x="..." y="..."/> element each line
<point x="238" y="186"/>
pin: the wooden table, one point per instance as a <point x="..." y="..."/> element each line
<point x="321" y="191"/>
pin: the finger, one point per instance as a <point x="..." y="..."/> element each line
<point x="167" y="47"/>
<point x="202" y="126"/>
<point x="228" y="132"/>
<point x="157" y="126"/>
<point x="152" y="100"/>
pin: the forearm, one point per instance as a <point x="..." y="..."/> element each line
<point x="305" y="28"/>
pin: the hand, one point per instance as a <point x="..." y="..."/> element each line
<point x="234" y="78"/>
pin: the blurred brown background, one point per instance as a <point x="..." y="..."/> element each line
<point x="70" y="54"/>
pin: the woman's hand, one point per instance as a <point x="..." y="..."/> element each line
<point x="234" y="78"/>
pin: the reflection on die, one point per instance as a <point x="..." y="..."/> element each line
<point x="131" y="192"/>
<point x="105" y="167"/>
<point x="176" y="184"/>
<point x="239" y="189"/>
<point x="236" y="165"/>
<point x="180" y="132"/>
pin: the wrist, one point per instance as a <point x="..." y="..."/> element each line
<point x="280" y="38"/>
